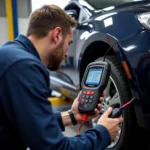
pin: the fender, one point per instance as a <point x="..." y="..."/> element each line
<point x="88" y="38"/>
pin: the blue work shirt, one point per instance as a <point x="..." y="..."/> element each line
<point x="26" y="115"/>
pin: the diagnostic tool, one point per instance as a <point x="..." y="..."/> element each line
<point x="94" y="82"/>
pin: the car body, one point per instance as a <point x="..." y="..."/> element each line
<point x="121" y="32"/>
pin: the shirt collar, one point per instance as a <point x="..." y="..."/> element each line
<point x="28" y="45"/>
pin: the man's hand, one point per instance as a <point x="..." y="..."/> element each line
<point x="77" y="114"/>
<point x="112" y="125"/>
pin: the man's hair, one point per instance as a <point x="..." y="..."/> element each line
<point x="46" y="18"/>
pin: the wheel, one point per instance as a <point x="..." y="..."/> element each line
<point x="117" y="93"/>
<point x="61" y="75"/>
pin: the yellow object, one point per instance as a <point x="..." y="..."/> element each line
<point x="56" y="101"/>
<point x="9" y="14"/>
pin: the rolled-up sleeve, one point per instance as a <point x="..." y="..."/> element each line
<point x="26" y="92"/>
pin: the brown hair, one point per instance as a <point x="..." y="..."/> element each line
<point x="46" y="18"/>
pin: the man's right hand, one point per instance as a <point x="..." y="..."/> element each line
<point x="111" y="124"/>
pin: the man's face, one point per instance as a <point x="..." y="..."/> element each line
<point x="60" y="52"/>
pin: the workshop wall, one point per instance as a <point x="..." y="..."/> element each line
<point x="3" y="23"/>
<point x="24" y="9"/>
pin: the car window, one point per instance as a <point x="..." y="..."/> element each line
<point x="100" y="4"/>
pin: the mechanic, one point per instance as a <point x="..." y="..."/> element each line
<point x="26" y="116"/>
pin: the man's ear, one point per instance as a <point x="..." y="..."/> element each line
<point x="57" y="35"/>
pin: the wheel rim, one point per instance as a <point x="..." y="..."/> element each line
<point x="111" y="98"/>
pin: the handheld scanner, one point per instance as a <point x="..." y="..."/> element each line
<point x="94" y="82"/>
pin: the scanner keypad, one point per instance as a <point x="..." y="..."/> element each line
<point x="87" y="97"/>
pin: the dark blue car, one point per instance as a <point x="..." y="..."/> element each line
<point x="119" y="30"/>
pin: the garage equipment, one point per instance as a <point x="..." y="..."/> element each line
<point x="94" y="82"/>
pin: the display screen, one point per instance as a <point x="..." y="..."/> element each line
<point x="94" y="76"/>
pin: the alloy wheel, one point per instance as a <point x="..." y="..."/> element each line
<point x="111" y="98"/>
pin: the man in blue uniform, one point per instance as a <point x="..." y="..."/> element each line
<point x="26" y="116"/>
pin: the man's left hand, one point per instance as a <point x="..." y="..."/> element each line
<point x="78" y="115"/>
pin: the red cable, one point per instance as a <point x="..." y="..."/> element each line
<point x="126" y="104"/>
<point x="80" y="127"/>
<point x="84" y="118"/>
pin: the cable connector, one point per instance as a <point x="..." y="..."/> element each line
<point x="84" y="118"/>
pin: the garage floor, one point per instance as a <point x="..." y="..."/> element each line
<point x="72" y="130"/>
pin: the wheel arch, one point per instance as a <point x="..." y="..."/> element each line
<point x="93" y="51"/>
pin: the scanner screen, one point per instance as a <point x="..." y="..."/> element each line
<point x="94" y="76"/>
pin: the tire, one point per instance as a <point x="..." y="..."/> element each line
<point x="129" y="128"/>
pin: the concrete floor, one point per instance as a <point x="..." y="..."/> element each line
<point x="72" y="130"/>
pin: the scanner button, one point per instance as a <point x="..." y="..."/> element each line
<point x="83" y="96"/>
<point x="85" y="92"/>
<point x="90" y="101"/>
<point x="86" y="100"/>
<point x="83" y="100"/>
<point x="92" y="93"/>
<point x="91" y="97"/>
<point x="87" y="96"/>
<point x="88" y="92"/>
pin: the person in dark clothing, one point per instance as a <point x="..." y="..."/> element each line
<point x="26" y="116"/>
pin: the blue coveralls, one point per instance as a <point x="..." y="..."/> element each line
<point x="26" y="116"/>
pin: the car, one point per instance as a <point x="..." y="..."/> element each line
<point x="118" y="30"/>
